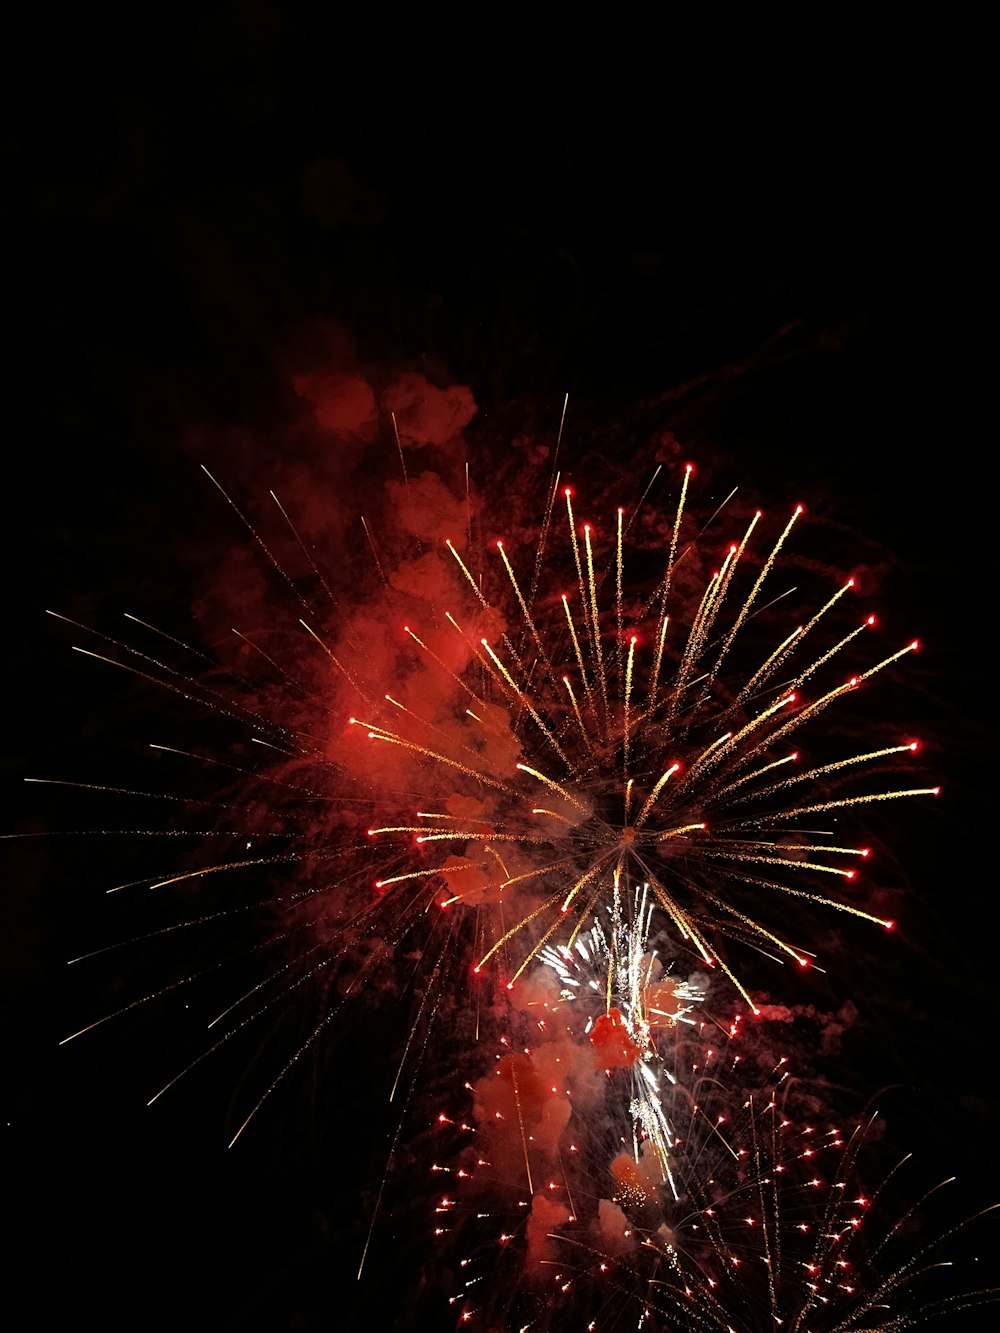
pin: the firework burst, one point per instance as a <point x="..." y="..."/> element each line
<point x="602" y="749"/>
<point x="583" y="795"/>
<point x="759" y="1221"/>
<point x="625" y="752"/>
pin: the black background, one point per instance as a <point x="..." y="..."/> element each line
<point x="613" y="211"/>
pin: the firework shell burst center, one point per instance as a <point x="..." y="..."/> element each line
<point x="608" y="745"/>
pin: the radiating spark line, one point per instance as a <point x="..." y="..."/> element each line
<point x="595" y="628"/>
<point x="374" y="550"/>
<point x="520" y="1121"/>
<point x="651" y="799"/>
<point x="523" y="699"/>
<point x="752" y="596"/>
<point x="528" y="620"/>
<point x="255" y="534"/>
<point x="553" y="786"/>
<point x="380" y="734"/>
<point x="163" y="634"/>
<point x="305" y="550"/>
<point x="865" y="799"/>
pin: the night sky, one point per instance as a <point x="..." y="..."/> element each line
<point x="789" y="263"/>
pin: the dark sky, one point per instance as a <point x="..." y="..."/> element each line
<point x="604" y="211"/>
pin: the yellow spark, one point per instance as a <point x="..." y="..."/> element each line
<point x="651" y="798"/>
<point x="554" y="786"/>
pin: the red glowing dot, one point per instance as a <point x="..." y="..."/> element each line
<point x="889" y="925"/>
<point x="849" y="583"/>
<point x="799" y="509"/>
<point x="370" y="832"/>
<point x="915" y="646"/>
<point x="621" y="511"/>
<point x="870" y="620"/>
<point x="499" y="544"/>
<point x="850" y="874"/>
<point x="634" y="640"/>
<point x="586" y="527"/>
<point x="803" y="962"/>
<point x="510" y="985"/>
<point x="568" y="492"/>
<point x="936" y="791"/>
<point x="689" y="468"/>
<point x="853" y="681"/>
<point x="865" y="851"/>
<point x="477" y="969"/>
<point x="795" y="756"/>
<point x="378" y="884"/>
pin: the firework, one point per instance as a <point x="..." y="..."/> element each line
<point x="615" y="1166"/>
<point x="759" y="1221"/>
<point x="563" y="804"/>
<point x="601" y="749"/>
<point x="640" y="735"/>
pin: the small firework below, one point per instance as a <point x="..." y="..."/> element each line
<point x="765" y="1225"/>
<point x="637" y="1002"/>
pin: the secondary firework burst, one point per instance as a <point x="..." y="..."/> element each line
<point x="780" y="1232"/>
<point x="632" y="1025"/>
<point x="766" y="1224"/>
<point x="607" y="746"/>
